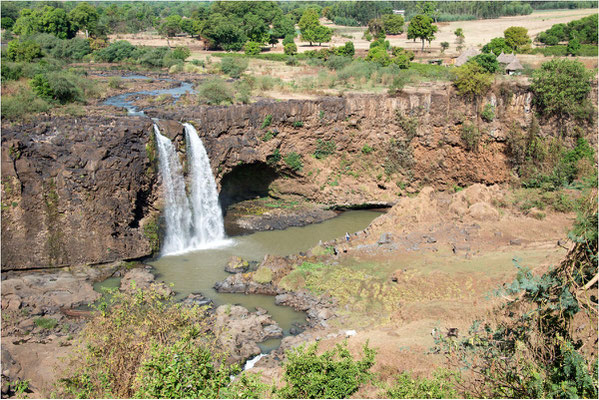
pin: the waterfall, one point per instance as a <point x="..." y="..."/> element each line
<point x="207" y="215"/>
<point x="191" y="222"/>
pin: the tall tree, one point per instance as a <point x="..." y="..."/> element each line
<point x="84" y="17"/>
<point x="516" y="37"/>
<point x="310" y="28"/>
<point x="421" y="27"/>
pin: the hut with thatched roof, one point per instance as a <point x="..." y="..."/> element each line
<point x="466" y="55"/>
<point x="506" y="58"/>
<point x="514" y="68"/>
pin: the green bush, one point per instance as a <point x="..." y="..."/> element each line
<point x="367" y="149"/>
<point x="233" y="66"/>
<point x="115" y="82"/>
<point x="324" y="149"/>
<point x="46" y="323"/>
<point x="487" y="61"/>
<point x="274" y="158"/>
<point x="267" y="121"/>
<point x="439" y="387"/>
<point x="470" y="136"/>
<point x="331" y="375"/>
<point x="288" y="39"/>
<point x="488" y="114"/>
<point x="115" y="52"/>
<point x="23" y="51"/>
<point x="337" y="62"/>
<point x="290" y="49"/>
<point x="23" y="103"/>
<point x="11" y="71"/>
<point x="294" y="161"/>
<point x="252" y="48"/>
<point x="181" y="53"/>
<point x="472" y="80"/>
<point x="215" y="91"/>
<point x="188" y="370"/>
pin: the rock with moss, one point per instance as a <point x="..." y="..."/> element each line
<point x="237" y="265"/>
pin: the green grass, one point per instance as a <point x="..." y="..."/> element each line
<point x="45" y="323"/>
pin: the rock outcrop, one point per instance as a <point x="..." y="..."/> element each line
<point x="77" y="191"/>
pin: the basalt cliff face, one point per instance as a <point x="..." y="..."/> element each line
<point x="75" y="191"/>
<point x="86" y="190"/>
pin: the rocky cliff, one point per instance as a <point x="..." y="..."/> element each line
<point x="86" y="190"/>
<point x="76" y="191"/>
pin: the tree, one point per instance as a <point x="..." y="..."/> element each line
<point x="472" y="80"/>
<point x="252" y="48"/>
<point x="573" y="46"/>
<point x="45" y="20"/>
<point x="428" y="8"/>
<point x="444" y="46"/>
<point x="459" y="33"/>
<point x="516" y="37"/>
<point x="311" y="30"/>
<point x="84" y="17"/>
<point x="421" y="27"/>
<point x="170" y="26"/>
<point x="561" y="87"/>
<point x="255" y="28"/>
<point x="487" y="61"/>
<point x="283" y="26"/>
<point x="393" y="24"/>
<point x="497" y="46"/>
<point x="376" y="27"/>
<point x="223" y="32"/>
<point x="379" y="55"/>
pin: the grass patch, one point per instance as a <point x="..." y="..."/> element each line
<point x="45" y="323"/>
<point x="263" y="275"/>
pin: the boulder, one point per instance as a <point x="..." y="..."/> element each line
<point x="237" y="265"/>
<point x="142" y="278"/>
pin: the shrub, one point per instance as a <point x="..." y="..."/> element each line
<point x="470" y="136"/>
<point x="244" y="92"/>
<point x="181" y="53"/>
<point x="191" y="370"/>
<point x="233" y="66"/>
<point x="11" y="71"/>
<point x="45" y="323"/>
<point x="274" y="158"/>
<point x="561" y="87"/>
<point x="298" y="124"/>
<point x="332" y="375"/>
<point x="439" y="387"/>
<point x="215" y="91"/>
<point x="324" y="149"/>
<point x="472" y="80"/>
<point x="252" y="48"/>
<point x="115" y="82"/>
<point x="267" y="121"/>
<point x="288" y="39"/>
<point x="347" y="50"/>
<point x="487" y="61"/>
<point x="115" y="52"/>
<point x="488" y="113"/>
<point x="23" y="103"/>
<point x="294" y="161"/>
<point x="379" y="55"/>
<point x="23" y="51"/>
<point x="290" y="49"/>
<point x="126" y="338"/>
<point x="72" y="49"/>
<point x="337" y="62"/>
<point x="367" y="149"/>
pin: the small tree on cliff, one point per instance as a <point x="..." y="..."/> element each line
<point x="421" y="27"/>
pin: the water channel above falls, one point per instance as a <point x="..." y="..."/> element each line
<point x="197" y="271"/>
<point x="126" y="100"/>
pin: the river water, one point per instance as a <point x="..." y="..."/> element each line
<point x="198" y="271"/>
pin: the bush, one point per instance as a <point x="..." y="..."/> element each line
<point x="561" y="87"/>
<point x="290" y="49"/>
<point x="115" y="52"/>
<point x="439" y="387"/>
<point x="252" y="48"/>
<point x="337" y="62"/>
<point x="25" y="51"/>
<point x="191" y="370"/>
<point x="472" y="80"/>
<point x="115" y="82"/>
<point x="267" y="121"/>
<point x="294" y="161"/>
<point x="487" y="61"/>
<point x="470" y="136"/>
<point x="233" y="67"/>
<point x="367" y="149"/>
<point x="181" y="53"/>
<point x="347" y="50"/>
<point x="488" y="114"/>
<point x="288" y="39"/>
<point x="332" y="375"/>
<point x="23" y="103"/>
<point x="11" y="71"/>
<point x="215" y="91"/>
<point x="324" y="149"/>
<point x="125" y="342"/>
<point x="45" y="323"/>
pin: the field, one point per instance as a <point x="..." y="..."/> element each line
<point x="477" y="33"/>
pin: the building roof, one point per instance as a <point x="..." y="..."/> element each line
<point x="514" y="65"/>
<point x="506" y="58"/>
<point x="466" y="55"/>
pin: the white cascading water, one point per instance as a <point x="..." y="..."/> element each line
<point x="195" y="222"/>
<point x="207" y="216"/>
